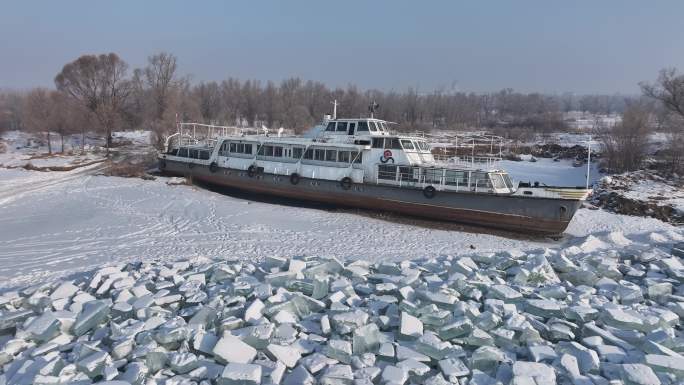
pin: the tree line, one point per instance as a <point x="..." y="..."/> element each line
<point x="100" y="92"/>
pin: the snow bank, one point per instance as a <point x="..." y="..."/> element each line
<point x="642" y="193"/>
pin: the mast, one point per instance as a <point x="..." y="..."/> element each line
<point x="372" y="107"/>
<point x="334" y="103"/>
<point x="588" y="160"/>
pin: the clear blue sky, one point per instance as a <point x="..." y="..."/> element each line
<point x="552" y="46"/>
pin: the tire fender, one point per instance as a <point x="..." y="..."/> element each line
<point x="429" y="192"/>
<point x="346" y="183"/>
<point x="294" y="178"/>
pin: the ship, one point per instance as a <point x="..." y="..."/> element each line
<point x="363" y="163"/>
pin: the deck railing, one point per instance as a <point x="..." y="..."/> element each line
<point x="478" y="161"/>
<point x="439" y="178"/>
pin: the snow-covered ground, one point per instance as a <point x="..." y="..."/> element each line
<point x="644" y="193"/>
<point x="57" y="223"/>
<point x="663" y="193"/>
<point x="22" y="149"/>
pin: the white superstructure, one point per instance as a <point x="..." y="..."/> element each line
<point x="352" y="151"/>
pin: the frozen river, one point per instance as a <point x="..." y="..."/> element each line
<point x="56" y="223"/>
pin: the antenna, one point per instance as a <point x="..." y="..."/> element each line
<point x="334" y="103"/>
<point x="372" y="107"/>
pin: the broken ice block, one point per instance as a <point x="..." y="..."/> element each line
<point x="410" y="326"/>
<point x="231" y="349"/>
<point x="240" y="374"/>
<point x="339" y="349"/>
<point x="93" y="365"/>
<point x="453" y="367"/>
<point x="366" y="339"/>
<point x="43" y="327"/>
<point x="288" y="355"/>
<point x="92" y="314"/>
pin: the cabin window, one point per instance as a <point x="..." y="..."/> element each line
<point x="481" y="180"/>
<point x="456" y="178"/>
<point x="406" y="174"/>
<point x="507" y="180"/>
<point x="341" y="126"/>
<point x="387" y="172"/>
<point x="331" y="126"/>
<point x="277" y="151"/>
<point x="372" y="126"/>
<point x="352" y="126"/>
<point x="432" y="175"/>
<point x="319" y="154"/>
<point x="242" y="148"/>
<point x="308" y="154"/>
<point x="204" y="154"/>
<point x="297" y="152"/>
<point x="497" y="181"/>
<point x="392" y="143"/>
<point x="356" y="156"/>
<point x="423" y="146"/>
<point x="362" y="127"/>
<point x="192" y="153"/>
<point x="266" y="150"/>
<point x="343" y="156"/>
<point x="183" y="152"/>
<point x="382" y="124"/>
<point x="331" y="155"/>
<point x="407" y="144"/>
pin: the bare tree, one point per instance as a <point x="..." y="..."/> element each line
<point x="669" y="91"/>
<point x="208" y="98"/>
<point x="38" y="113"/>
<point x="625" y="144"/>
<point x="160" y="74"/>
<point x="100" y="84"/>
<point x="63" y="115"/>
<point x="11" y="110"/>
<point x="155" y="89"/>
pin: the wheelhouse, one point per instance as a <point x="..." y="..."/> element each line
<point x="357" y="127"/>
<point x="199" y="152"/>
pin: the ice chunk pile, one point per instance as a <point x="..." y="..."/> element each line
<point x="592" y="316"/>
